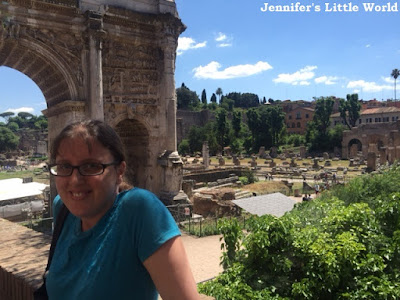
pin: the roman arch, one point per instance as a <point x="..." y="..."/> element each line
<point x="112" y="60"/>
<point x="381" y="138"/>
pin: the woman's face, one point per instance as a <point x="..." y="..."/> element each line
<point x="87" y="197"/>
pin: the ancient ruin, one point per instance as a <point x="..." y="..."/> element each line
<point x="379" y="138"/>
<point x="112" y="60"/>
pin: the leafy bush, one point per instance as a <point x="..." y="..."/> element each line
<point x="342" y="245"/>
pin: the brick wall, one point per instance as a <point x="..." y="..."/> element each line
<point x="23" y="258"/>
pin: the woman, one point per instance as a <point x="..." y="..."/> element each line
<point x="113" y="245"/>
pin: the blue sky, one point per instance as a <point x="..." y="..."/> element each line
<point x="280" y="55"/>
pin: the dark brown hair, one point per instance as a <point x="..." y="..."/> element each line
<point x="88" y="130"/>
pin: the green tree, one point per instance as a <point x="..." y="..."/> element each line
<point x="41" y="123"/>
<point x="184" y="147"/>
<point x="227" y="103"/>
<point x="221" y="126"/>
<point x="13" y="126"/>
<point x="350" y="110"/>
<point x="219" y="93"/>
<point x="317" y="131"/>
<point x="196" y="137"/>
<point x="395" y="73"/>
<point x="186" y="98"/>
<point x="237" y="122"/>
<point x="8" y="140"/>
<point x="203" y="97"/>
<point x="253" y="122"/>
<point x="213" y="98"/>
<point x="25" y="115"/>
<point x="6" y="115"/>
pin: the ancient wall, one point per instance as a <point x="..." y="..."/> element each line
<point x="371" y="136"/>
<point x="186" y="119"/>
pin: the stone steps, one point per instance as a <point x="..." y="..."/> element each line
<point x="239" y="194"/>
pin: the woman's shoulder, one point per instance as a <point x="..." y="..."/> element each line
<point x="138" y="197"/>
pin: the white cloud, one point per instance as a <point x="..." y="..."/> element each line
<point x="221" y="37"/>
<point x="365" y="86"/>
<point x="212" y="70"/>
<point x="328" y="80"/>
<point x="223" y="40"/>
<point x="368" y="46"/>
<point x="21" y="109"/>
<point x="186" y="43"/>
<point x="300" y="77"/>
<point x="223" y="45"/>
<point x="388" y="79"/>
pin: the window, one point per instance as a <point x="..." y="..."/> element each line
<point x="288" y="125"/>
<point x="359" y="121"/>
<point x="298" y="115"/>
<point x="290" y="117"/>
<point x="293" y="125"/>
<point x="298" y="125"/>
<point x="306" y="116"/>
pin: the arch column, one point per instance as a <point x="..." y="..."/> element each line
<point x="95" y="76"/>
<point x="170" y="160"/>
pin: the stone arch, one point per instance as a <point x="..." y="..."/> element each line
<point x="355" y="142"/>
<point x="135" y="137"/>
<point x="106" y="60"/>
<point x="43" y="66"/>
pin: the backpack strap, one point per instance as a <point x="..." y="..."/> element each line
<point x="62" y="215"/>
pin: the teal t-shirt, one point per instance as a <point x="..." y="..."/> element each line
<point x="105" y="262"/>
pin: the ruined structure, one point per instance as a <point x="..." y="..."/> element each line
<point x="382" y="139"/>
<point x="112" y="60"/>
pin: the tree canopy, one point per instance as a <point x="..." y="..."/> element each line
<point x="350" y="110"/>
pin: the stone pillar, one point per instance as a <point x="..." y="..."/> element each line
<point x="364" y="147"/>
<point x="397" y="155"/>
<point x="221" y="161"/>
<point x="373" y="148"/>
<point x="391" y="154"/>
<point x="206" y="156"/>
<point x="302" y="151"/>
<point x="95" y="75"/>
<point x="371" y="161"/>
<point x="172" y="192"/>
<point x="169" y="93"/>
<point x="261" y="152"/>
<point x="353" y="151"/>
<point x="383" y="157"/>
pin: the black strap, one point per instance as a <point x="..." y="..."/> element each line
<point x="62" y="215"/>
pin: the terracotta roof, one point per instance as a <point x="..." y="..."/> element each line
<point x="380" y="110"/>
<point x="372" y="111"/>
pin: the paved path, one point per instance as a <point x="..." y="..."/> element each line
<point x="204" y="256"/>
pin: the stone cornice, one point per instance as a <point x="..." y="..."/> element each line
<point x="65" y="107"/>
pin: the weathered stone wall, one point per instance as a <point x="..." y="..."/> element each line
<point x="29" y="139"/>
<point x="383" y="135"/>
<point x="213" y="175"/>
<point x="186" y="119"/>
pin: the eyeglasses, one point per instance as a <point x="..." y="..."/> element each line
<point x="88" y="169"/>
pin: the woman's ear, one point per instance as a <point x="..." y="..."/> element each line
<point x="120" y="172"/>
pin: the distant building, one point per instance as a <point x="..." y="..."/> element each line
<point x="371" y="115"/>
<point x="297" y="119"/>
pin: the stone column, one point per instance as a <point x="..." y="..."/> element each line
<point x="382" y="156"/>
<point x="206" y="155"/>
<point x="95" y="73"/>
<point x="371" y="161"/>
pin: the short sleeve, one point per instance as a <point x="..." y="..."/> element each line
<point x="152" y="223"/>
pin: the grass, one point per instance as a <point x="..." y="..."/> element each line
<point x="41" y="177"/>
